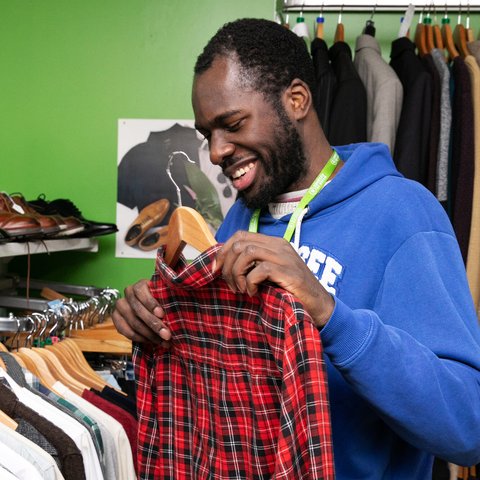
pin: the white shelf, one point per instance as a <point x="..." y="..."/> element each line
<point x="13" y="249"/>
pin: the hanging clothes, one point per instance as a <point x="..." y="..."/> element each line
<point x="474" y="49"/>
<point x="384" y="91"/>
<point x="325" y="83"/>
<point x="348" y="120"/>
<point x="434" y="135"/>
<point x="117" y="446"/>
<point x="39" y="458"/>
<point x="241" y="393"/>
<point x="443" y="149"/>
<point x="473" y="258"/>
<point x="462" y="163"/>
<point x="66" y="453"/>
<point x="413" y="133"/>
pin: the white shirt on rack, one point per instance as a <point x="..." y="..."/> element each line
<point x="125" y="466"/>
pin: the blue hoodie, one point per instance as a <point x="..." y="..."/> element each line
<point x="402" y="346"/>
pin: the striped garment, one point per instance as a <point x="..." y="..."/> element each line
<point x="242" y="392"/>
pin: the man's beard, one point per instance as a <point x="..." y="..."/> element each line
<point x="286" y="165"/>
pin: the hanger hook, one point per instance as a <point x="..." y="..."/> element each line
<point x="373" y="11"/>
<point x="30" y="332"/>
<point x="169" y="173"/>
<point x="12" y="317"/>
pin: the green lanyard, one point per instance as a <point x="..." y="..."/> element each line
<point x="310" y="194"/>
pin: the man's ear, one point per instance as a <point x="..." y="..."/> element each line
<point x="298" y="99"/>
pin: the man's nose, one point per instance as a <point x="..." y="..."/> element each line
<point x="220" y="148"/>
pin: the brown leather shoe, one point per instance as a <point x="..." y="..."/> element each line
<point x="20" y="227"/>
<point x="53" y="225"/>
<point x="49" y="224"/>
<point x="149" y="217"/>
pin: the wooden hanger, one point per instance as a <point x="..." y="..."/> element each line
<point x="19" y="360"/>
<point x="59" y="372"/>
<point x="340" y="29"/>
<point x="73" y="369"/>
<point x="437" y="34"/>
<point x="102" y="337"/>
<point x="8" y="421"/>
<point x="186" y="227"/>
<point x="460" y="39"/>
<point x="319" y="26"/>
<point x="421" y="37"/>
<point x="447" y="36"/>
<point x="429" y="40"/>
<point x="79" y="359"/>
<point x="37" y="365"/>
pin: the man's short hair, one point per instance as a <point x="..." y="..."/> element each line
<point x="269" y="55"/>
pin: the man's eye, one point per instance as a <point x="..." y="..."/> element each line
<point x="234" y="127"/>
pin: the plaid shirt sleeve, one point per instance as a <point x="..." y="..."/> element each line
<point x="241" y="393"/>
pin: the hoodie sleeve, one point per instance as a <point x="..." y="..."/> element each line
<point x="415" y="357"/>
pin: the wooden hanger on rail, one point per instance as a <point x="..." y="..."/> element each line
<point x="320" y="22"/>
<point x="75" y="367"/>
<point x="437" y="32"/>
<point x="447" y="37"/>
<point x="59" y="372"/>
<point x="428" y="29"/>
<point x="340" y="29"/>
<point x="460" y="37"/>
<point x="186" y="227"/>
<point x="37" y="365"/>
<point x="421" y="37"/>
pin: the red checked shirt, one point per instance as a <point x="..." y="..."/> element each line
<point x="241" y="393"/>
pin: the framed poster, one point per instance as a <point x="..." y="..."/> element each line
<point x="162" y="164"/>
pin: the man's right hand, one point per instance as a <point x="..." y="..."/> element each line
<point x="139" y="316"/>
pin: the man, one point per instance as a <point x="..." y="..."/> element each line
<point x="372" y="257"/>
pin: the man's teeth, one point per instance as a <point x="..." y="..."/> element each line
<point x="242" y="171"/>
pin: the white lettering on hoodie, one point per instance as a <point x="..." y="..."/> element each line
<point x="326" y="268"/>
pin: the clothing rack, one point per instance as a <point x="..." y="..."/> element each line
<point x="9" y="297"/>
<point x="384" y="6"/>
<point x="86" y="321"/>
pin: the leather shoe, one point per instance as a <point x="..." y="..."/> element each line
<point x="149" y="217"/>
<point x="69" y="225"/>
<point x="15" y="223"/>
<point x="154" y="240"/>
<point x="49" y="224"/>
<point x="68" y="210"/>
<point x="20" y="227"/>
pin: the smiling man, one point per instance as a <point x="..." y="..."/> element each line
<point x="370" y="254"/>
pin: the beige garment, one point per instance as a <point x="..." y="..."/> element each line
<point x="474" y="49"/>
<point x="473" y="257"/>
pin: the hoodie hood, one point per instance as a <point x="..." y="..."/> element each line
<point x="365" y="164"/>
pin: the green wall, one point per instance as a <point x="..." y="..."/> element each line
<point x="71" y="69"/>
